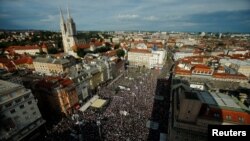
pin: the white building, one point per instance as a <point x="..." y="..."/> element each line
<point x="243" y="67"/>
<point x="147" y="58"/>
<point x="188" y="41"/>
<point x="68" y="30"/>
<point x="179" y="55"/>
<point x="19" y="112"/>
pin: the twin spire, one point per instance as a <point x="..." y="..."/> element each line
<point x="68" y="11"/>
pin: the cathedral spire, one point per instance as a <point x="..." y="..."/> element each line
<point x="68" y="11"/>
<point x="61" y="18"/>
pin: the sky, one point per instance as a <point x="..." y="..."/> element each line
<point x="120" y="15"/>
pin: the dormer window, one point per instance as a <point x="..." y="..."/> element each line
<point x="241" y="119"/>
<point x="216" y="115"/>
<point x="228" y="117"/>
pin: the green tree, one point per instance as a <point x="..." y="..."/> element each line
<point x="80" y="52"/>
<point x="117" y="46"/>
<point x="120" y="53"/>
<point x="52" y="50"/>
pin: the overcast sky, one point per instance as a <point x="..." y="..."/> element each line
<point x="154" y="15"/>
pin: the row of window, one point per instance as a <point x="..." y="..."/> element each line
<point x="26" y="117"/>
<point x="17" y="101"/>
<point x="12" y="111"/>
<point x="228" y="117"/>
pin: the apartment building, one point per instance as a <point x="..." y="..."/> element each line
<point x="56" y="95"/>
<point x="49" y="66"/>
<point x="20" y="115"/>
<point x="192" y="110"/>
<point x="146" y="58"/>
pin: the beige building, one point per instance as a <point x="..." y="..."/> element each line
<point x="191" y="112"/>
<point x="50" y="65"/>
<point x="20" y="115"/>
<point x="139" y="57"/>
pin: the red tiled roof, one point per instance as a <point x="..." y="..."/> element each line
<point x="65" y="82"/>
<point x="97" y="43"/>
<point x="51" y="81"/>
<point x="229" y="76"/>
<point x="224" y="113"/>
<point x="183" y="72"/>
<point x="178" y="70"/>
<point x="151" y="44"/>
<point x="9" y="64"/>
<point x="28" y="47"/>
<point x="24" y="60"/>
<point x="83" y="46"/>
<point x="201" y="67"/>
<point x="139" y="50"/>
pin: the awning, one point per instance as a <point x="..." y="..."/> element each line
<point x="99" y="103"/>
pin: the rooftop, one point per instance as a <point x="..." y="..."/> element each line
<point x="220" y="100"/>
<point x="6" y="86"/>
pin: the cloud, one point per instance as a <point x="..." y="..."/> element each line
<point x="151" y="18"/>
<point x="2" y="15"/>
<point x="50" y="18"/>
<point x="127" y="16"/>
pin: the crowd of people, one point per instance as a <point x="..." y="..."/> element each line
<point x="131" y="104"/>
<point x="125" y="116"/>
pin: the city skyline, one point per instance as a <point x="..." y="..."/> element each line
<point x="151" y="15"/>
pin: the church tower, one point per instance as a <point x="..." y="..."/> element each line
<point x="68" y="31"/>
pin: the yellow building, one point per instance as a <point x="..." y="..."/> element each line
<point x="50" y="65"/>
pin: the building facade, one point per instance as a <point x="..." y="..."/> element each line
<point x="32" y="50"/>
<point x="19" y="112"/>
<point x="146" y="58"/>
<point x="191" y="112"/>
<point x="56" y="96"/>
<point x="50" y="66"/>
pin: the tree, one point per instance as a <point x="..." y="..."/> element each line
<point x="80" y="52"/>
<point x="117" y="46"/>
<point x="52" y="50"/>
<point x="120" y="53"/>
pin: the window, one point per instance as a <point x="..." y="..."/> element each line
<point x="8" y="105"/>
<point x="32" y="108"/>
<point x="12" y="111"/>
<point x="241" y="119"/>
<point x="216" y="115"/>
<point x="30" y="102"/>
<point x="34" y="113"/>
<point x="26" y="96"/>
<point x="18" y="100"/>
<point x="24" y="112"/>
<point x="21" y="106"/>
<point x="228" y="117"/>
<point x="16" y="118"/>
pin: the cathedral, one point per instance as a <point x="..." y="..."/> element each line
<point x="68" y="29"/>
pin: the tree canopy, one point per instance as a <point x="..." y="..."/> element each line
<point x="120" y="53"/>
